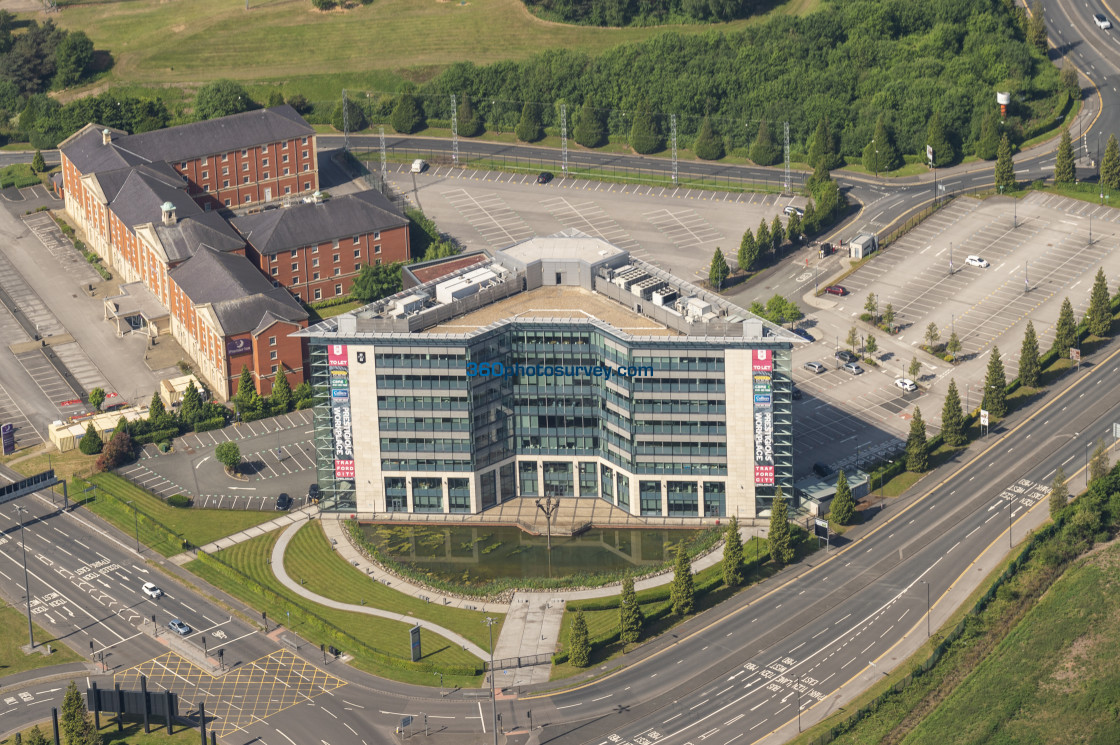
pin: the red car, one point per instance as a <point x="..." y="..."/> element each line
<point x="836" y="290"/>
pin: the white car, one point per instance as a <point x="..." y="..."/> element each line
<point x="419" y="166"/>
<point x="906" y="384"/>
<point x="790" y="210"/>
<point x="1101" y="21"/>
<point x="977" y="261"/>
<point x="151" y="590"/>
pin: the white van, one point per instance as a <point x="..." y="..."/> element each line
<point x="419" y="166"/>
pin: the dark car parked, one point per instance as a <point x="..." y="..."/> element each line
<point x="544" y="177"/>
<point x="283" y="502"/>
<point x="845" y="356"/>
<point x="313" y="494"/>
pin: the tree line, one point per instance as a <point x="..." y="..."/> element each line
<point x="642" y="12"/>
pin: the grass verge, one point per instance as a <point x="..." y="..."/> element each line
<point x="312" y="559"/>
<point x="132" y="734"/>
<point x="12" y="658"/>
<point x="252" y="559"/>
<point x="195" y="526"/>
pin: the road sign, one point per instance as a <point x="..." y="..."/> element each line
<point x="414" y="637"/>
<point x="1116" y="430"/>
<point x="983" y="417"/>
<point x="929" y="154"/>
<point x="820" y="528"/>
<point x="1075" y="354"/>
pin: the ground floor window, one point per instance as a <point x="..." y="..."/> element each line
<point x="508" y="483"/>
<point x="682" y="498"/>
<point x="606" y="479"/>
<point x="558" y="480"/>
<point x="624" y="491"/>
<point x="649" y="494"/>
<point x="427" y="494"/>
<point x="715" y="499"/>
<point x="588" y="480"/>
<point x="488" y="489"/>
<point x="528" y="477"/>
<point x="396" y="495"/>
<point x="459" y="495"/>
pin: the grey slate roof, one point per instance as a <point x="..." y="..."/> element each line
<point x="304" y="224"/>
<point x="183" y="239"/>
<point x="214" y="136"/>
<point x="239" y="294"/>
<point x="86" y="151"/>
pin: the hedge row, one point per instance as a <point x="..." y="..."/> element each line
<point x="334" y="633"/>
<point x="205" y="425"/>
<point x="158" y="436"/>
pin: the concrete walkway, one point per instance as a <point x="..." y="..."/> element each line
<point x="282" y="575"/>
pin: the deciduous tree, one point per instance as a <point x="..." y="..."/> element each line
<point x="229" y="455"/>
<point x="222" y="98"/>
<point x="71" y="58"/>
<point x="1098" y="462"/>
<point x="953" y="346"/>
<point x="915" y="368"/>
<point x="97" y="398"/>
<point x="870" y="346"/>
<point x="933" y="335"/>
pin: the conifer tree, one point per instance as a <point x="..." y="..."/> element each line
<point x="780" y="537"/>
<point x="38" y="165"/>
<point x="630" y="618"/>
<point x="732" y="554"/>
<point x="748" y="251"/>
<point x="777" y="233"/>
<point x="590" y="130"/>
<point x="1059" y="493"/>
<point x="407" y="116"/>
<point x="764" y="151"/>
<point x="708" y="145"/>
<point x="190" y="407"/>
<point x="682" y="593"/>
<point x="1065" y="333"/>
<point x="470" y="123"/>
<point x="1110" y="165"/>
<point x="718" y="270"/>
<point x="1036" y="28"/>
<point x="1005" y="167"/>
<point x="987" y="147"/>
<point x="245" y="388"/>
<point x="529" y="129"/>
<point x="36" y="737"/>
<point x="952" y="418"/>
<point x="1098" y="462"/>
<point x="1029" y="364"/>
<point x="157" y="414"/>
<point x="579" y="645"/>
<point x="917" y="448"/>
<point x="73" y="711"/>
<point x="995" y="386"/>
<point x="822" y="147"/>
<point x="280" y="400"/>
<point x="881" y="153"/>
<point x="90" y="444"/>
<point x="793" y="227"/>
<point x="937" y="137"/>
<point x="645" y="135"/>
<point x="842" y="509"/>
<point x="1099" y="314"/>
<point x="1064" y="170"/>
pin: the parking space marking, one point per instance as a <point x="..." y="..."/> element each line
<point x="49" y="234"/>
<point x="685" y="228"/>
<point x="490" y="216"/>
<point x="589" y="218"/>
<point x="10" y="413"/>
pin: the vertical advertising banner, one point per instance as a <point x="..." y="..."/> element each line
<point x="339" y="368"/>
<point x="762" y="372"/>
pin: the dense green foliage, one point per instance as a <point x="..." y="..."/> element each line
<point x="630" y="619"/>
<point x="852" y="61"/>
<point x="917" y="447"/>
<point x="732" y="554"/>
<point x="843" y="508"/>
<point x="682" y="593"/>
<point x="222" y="98"/>
<point x="1110" y="164"/>
<point x="708" y="145"/>
<point x="642" y="12"/>
<point x="952" y="418"/>
<point x="579" y="645"/>
<point x="1099" y="315"/>
<point x="780" y="534"/>
<point x="1005" y="167"/>
<point x="1065" y="333"/>
<point x="376" y="281"/>
<point x="718" y="270"/>
<point x="228" y="454"/>
<point x="407" y="116"/>
<point x="591" y="126"/>
<point x="529" y="128"/>
<point x="1064" y="170"/>
<point x="1059" y="493"/>
<point x="1029" y="365"/>
<point x="90" y="444"/>
<point x="349" y="117"/>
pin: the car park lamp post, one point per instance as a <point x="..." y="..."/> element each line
<point x="26" y="587"/>
<point x="493" y="700"/>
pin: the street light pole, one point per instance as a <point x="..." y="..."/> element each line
<point x="927" y="607"/>
<point x="798" y="703"/>
<point x="26" y="585"/>
<point x="493" y="700"/>
<point x="135" y="525"/>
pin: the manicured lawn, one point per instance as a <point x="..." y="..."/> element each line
<point x="252" y="557"/>
<point x="311" y="558"/>
<point x="14" y="635"/>
<point x="132" y="734"/>
<point x="289" y="43"/>
<point x="1054" y="678"/>
<point x="36" y="460"/>
<point x="197" y="526"/>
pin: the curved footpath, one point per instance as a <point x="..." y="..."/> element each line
<point x="282" y="575"/>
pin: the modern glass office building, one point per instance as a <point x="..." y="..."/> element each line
<point x="563" y="367"/>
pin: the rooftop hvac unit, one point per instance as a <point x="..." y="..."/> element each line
<point x="664" y="296"/>
<point x="630" y="278"/>
<point x="408" y="304"/>
<point x="645" y="287"/>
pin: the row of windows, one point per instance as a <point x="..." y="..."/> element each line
<point x="245" y="153"/>
<point x="413" y="424"/>
<point x="424" y="445"/>
<point x="426" y="403"/>
<point x="424" y="464"/>
<point x="356" y="240"/>
<point x="287" y="190"/>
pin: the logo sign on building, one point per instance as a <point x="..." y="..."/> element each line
<point x="762" y="360"/>
<point x="761" y="398"/>
<point x="764" y="475"/>
<point x="8" y="437"/>
<point x="763" y="446"/>
<point x="341" y="426"/>
<point x="238" y="346"/>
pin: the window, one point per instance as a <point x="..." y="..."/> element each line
<point x="357" y="253"/>
<point x="295" y="280"/>
<point x="295" y="267"/>
<point x="294" y="252"/>
<point x="183" y="164"/>
<point x="273" y="258"/>
<point x="307" y="167"/>
<point x="245" y="181"/>
<point x="274" y="367"/>
<point x="338" y="289"/>
<point x="315" y="262"/>
<point x="284" y="145"/>
<point x="225" y="170"/>
<point x="244" y="153"/>
<point x="272" y="341"/>
<point x="377" y="262"/>
<point x="377" y="235"/>
<point x="264" y="161"/>
<point x="315" y="277"/>
<point x="318" y="294"/>
<point x="272" y="354"/>
<point x="287" y="190"/>
<point x="356" y="265"/>
<point x="357" y="240"/>
<point x="275" y="271"/>
<point x="284" y="159"/>
<point x="225" y="184"/>
<point x="336" y="257"/>
<point x="377" y="249"/>
<point x="245" y="166"/>
<point x="225" y="157"/>
<point x="307" y="185"/>
<point x="304" y="140"/>
<point x="248" y="199"/>
<point x="305" y="154"/>
<point x="205" y="175"/>
<point x="266" y="174"/>
<point x="286" y="171"/>
<point x="227" y="201"/>
<point x="337" y="271"/>
<point x="203" y="160"/>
